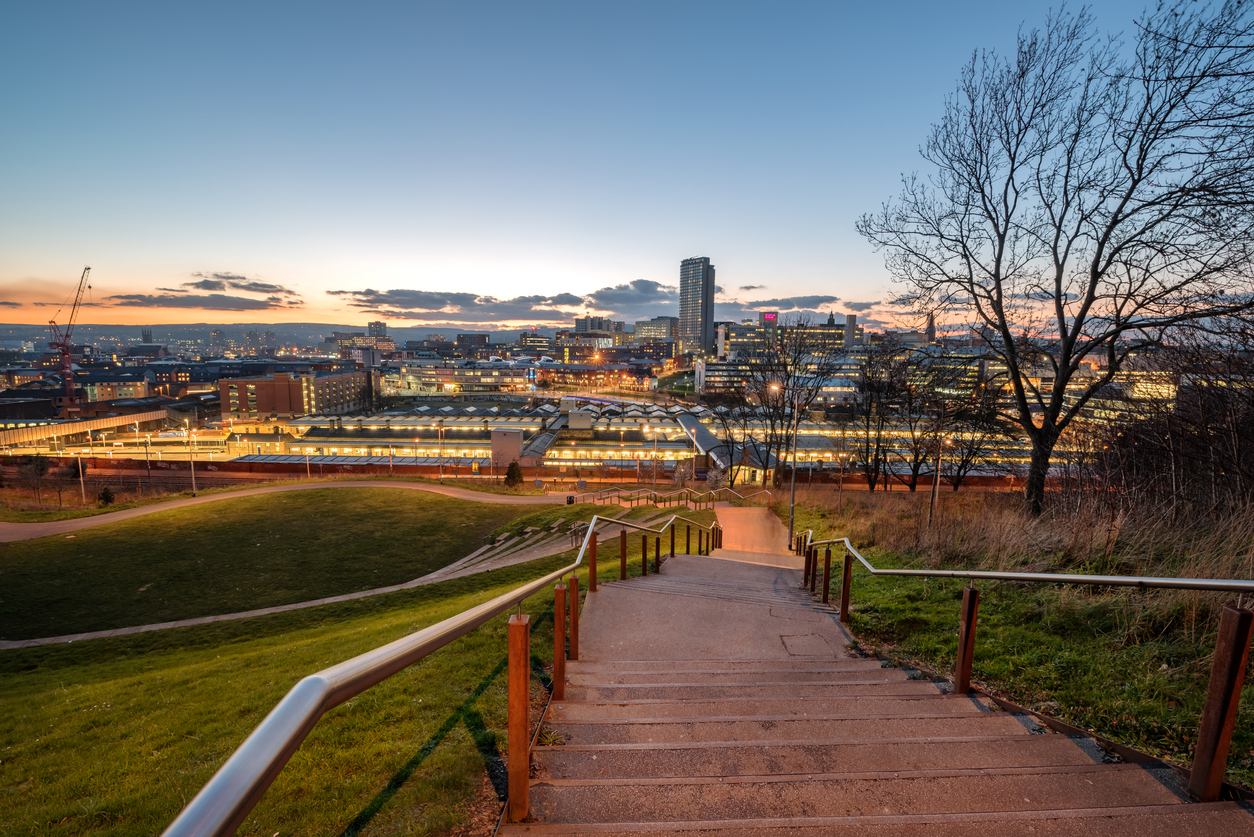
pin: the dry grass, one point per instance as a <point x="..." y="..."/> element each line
<point x="991" y="531"/>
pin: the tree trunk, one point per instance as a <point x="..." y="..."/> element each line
<point x="1038" y="467"/>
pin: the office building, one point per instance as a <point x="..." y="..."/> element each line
<point x="696" y="305"/>
<point x="377" y="329"/>
<point x="658" y="328"/>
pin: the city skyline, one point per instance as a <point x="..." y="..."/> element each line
<point x="465" y="167"/>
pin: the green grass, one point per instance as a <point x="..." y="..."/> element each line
<point x="111" y="737"/>
<point x="235" y="555"/>
<point x="46" y="513"/>
<point x="1082" y="655"/>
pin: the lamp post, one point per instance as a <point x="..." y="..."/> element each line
<point x="440" y="428"/>
<point x="147" y="459"/>
<point x="792" y="491"/>
<point x="82" y="487"/>
<point x="931" y="506"/>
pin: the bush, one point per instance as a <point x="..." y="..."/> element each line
<point x="105" y="497"/>
<point x="514" y="475"/>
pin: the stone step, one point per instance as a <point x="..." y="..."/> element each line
<point x="853" y="686"/>
<point x="804" y="664"/>
<point x="577" y="710"/>
<point x="1214" y="819"/>
<point x="781" y="679"/>
<point x="733" y="758"/>
<point x="791" y="728"/>
<point x="849" y="794"/>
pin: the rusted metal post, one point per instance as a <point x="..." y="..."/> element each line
<point x="814" y="568"/>
<point x="574" y="617"/>
<point x="644" y="554"/>
<point x="1219" y="715"/>
<point x="657" y="554"/>
<point x="805" y="568"/>
<point x="519" y="756"/>
<point x="966" y="640"/>
<point x="592" y="565"/>
<point x="672" y="540"/>
<point x="622" y="555"/>
<point x="827" y="574"/>
<point x="687" y="539"/>
<point x="559" y="642"/>
<point x="846" y="575"/>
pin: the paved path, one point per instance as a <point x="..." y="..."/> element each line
<point x="25" y="531"/>
<point x="754" y="535"/>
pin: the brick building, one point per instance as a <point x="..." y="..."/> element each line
<point x="286" y="395"/>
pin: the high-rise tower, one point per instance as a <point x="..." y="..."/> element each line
<point x="696" y="304"/>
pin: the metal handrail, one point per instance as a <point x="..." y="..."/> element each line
<point x="235" y="789"/>
<point x="1211" y="584"/>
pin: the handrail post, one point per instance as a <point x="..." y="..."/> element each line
<point x="592" y="563"/>
<point x="672" y="539"/>
<point x="846" y="576"/>
<point x="574" y="617"/>
<point x="622" y="554"/>
<point x="1223" y="696"/>
<point x="827" y="574"/>
<point x="559" y="642"/>
<point x="966" y="640"/>
<point x="644" y="554"/>
<point x="814" y="568"/>
<point x="519" y="717"/>
<point x="688" y="539"/>
<point x="657" y="554"/>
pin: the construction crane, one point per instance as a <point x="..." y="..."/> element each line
<point x="60" y="343"/>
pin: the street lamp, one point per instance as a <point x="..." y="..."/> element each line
<point x="147" y="459"/>
<point x="940" y="449"/>
<point x="654" y="432"/>
<point x="792" y="495"/>
<point x="440" y="427"/>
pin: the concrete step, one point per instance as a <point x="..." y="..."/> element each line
<point x="568" y="710"/>
<point x="848" y="794"/>
<point x="853" y="686"/>
<point x="1215" y="819"/>
<point x="851" y="755"/>
<point x="781" y="679"/>
<point x="792" y="728"/>
<point x="801" y="664"/>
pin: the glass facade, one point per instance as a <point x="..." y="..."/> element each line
<point x="696" y="304"/>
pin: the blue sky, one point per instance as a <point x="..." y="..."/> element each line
<point x="495" y="164"/>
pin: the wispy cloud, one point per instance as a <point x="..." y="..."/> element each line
<point x="207" y="302"/>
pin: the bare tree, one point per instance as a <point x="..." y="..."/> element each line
<point x="1080" y="203"/>
<point x="788" y="374"/>
<point x="882" y="380"/>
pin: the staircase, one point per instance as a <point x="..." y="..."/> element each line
<point x="718" y="697"/>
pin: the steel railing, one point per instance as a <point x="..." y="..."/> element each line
<point x="227" y="799"/>
<point x="634" y="494"/>
<point x="1232" y="644"/>
<point x="1204" y="584"/>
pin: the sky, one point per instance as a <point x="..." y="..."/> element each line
<point x="469" y="164"/>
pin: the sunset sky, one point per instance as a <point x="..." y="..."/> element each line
<point x="464" y="164"/>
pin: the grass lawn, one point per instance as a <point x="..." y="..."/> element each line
<point x="235" y="555"/>
<point x="111" y="737"/>
<point x="21" y="508"/>
<point x="1077" y="654"/>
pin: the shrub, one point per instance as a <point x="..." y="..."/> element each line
<point x="514" y="475"/>
<point x="105" y="497"/>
